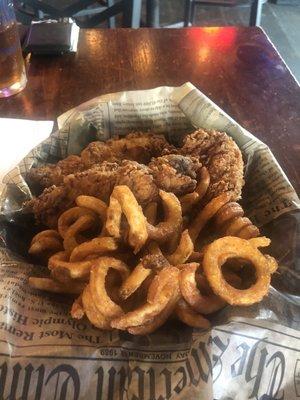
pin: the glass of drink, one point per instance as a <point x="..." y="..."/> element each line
<point x="12" y="68"/>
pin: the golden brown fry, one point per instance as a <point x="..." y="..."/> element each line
<point x="183" y="251"/>
<point x="150" y="212"/>
<point x="204" y="304"/>
<point x="157" y="322"/>
<point x="230" y="220"/>
<point x="97" y="247"/>
<point x="147" y="265"/>
<point x="49" y="285"/>
<point x="45" y="246"/>
<point x="218" y="252"/>
<point x="101" y="298"/>
<point x="134" y="280"/>
<point x="207" y="213"/>
<point x="187" y="315"/>
<point x="94" y="204"/>
<point x="163" y="290"/>
<point x="91" y="311"/>
<point x="77" y="310"/>
<point x="248" y="232"/>
<point x="133" y="212"/>
<point x="260" y="241"/>
<point x="47" y="233"/>
<point x="113" y="218"/>
<point x="64" y="270"/>
<point x="236" y="225"/>
<point x="70" y="216"/>
<point x="71" y="236"/>
<point x="163" y="231"/>
<point x="204" y="181"/>
<point x="227" y="213"/>
<point x="190" y="199"/>
<point x="45" y="243"/>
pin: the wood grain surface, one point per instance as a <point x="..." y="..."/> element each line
<point x="237" y="67"/>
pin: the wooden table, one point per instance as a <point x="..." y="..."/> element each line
<point x="238" y="68"/>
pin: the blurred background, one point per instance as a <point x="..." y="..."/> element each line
<point x="279" y="18"/>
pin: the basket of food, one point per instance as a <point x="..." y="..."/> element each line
<point x="146" y="227"/>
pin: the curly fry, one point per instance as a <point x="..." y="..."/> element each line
<point x="49" y="285"/>
<point x="101" y="298"/>
<point x="97" y="247"/>
<point x="77" y="310"/>
<point x="187" y="315"/>
<point x="63" y="270"/>
<point x="204" y="181"/>
<point x="150" y="212"/>
<point x="226" y="213"/>
<point x="91" y="311"/>
<point x="190" y="199"/>
<point x="173" y="219"/>
<point x="113" y="219"/>
<point x="134" y="281"/>
<point x="67" y="218"/>
<point x="192" y="294"/>
<point x="133" y="212"/>
<point x="148" y="265"/>
<point x="82" y="224"/>
<point x="45" y="243"/>
<point x="207" y="213"/>
<point x="248" y="232"/>
<point x="183" y="251"/>
<point x="163" y="290"/>
<point x="218" y="252"/>
<point x="236" y="225"/>
<point x="230" y="220"/>
<point x="260" y="241"/>
<point x="46" y="233"/>
<point x="94" y="204"/>
<point x="74" y="221"/>
<point x="159" y="320"/>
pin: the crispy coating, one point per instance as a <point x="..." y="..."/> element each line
<point x="50" y="204"/>
<point x="98" y="181"/>
<point x="53" y="174"/>
<point x="221" y="156"/>
<point x="136" y="146"/>
<point x="175" y="173"/>
<point x="139" y="179"/>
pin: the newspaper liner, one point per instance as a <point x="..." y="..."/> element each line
<point x="250" y="353"/>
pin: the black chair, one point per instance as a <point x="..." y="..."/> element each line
<point x="255" y="8"/>
<point x="86" y="13"/>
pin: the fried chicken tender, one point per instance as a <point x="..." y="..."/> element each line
<point x="136" y="146"/>
<point x="98" y="181"/>
<point x="221" y="156"/>
<point x="53" y="174"/>
<point x="175" y="173"/>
